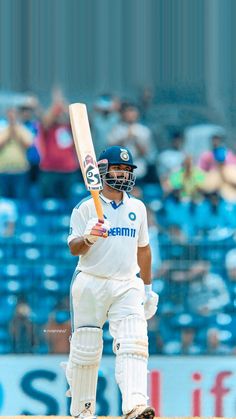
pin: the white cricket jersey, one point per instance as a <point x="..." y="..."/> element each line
<point x="116" y="256"/>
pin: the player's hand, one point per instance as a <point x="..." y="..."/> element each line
<point x="95" y="229"/>
<point x="151" y="302"/>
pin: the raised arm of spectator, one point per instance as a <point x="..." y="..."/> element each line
<point x="142" y="140"/>
<point x="118" y="135"/>
<point x="23" y="135"/>
<point x="52" y="114"/>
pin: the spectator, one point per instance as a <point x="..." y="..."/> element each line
<point x="188" y="179"/>
<point x="28" y="115"/>
<point x="129" y="132"/>
<point x="213" y="213"/>
<point x="207" y="293"/>
<point x="219" y="154"/>
<point x="8" y="217"/>
<point x="22" y="328"/>
<point x="188" y="345"/>
<point x="105" y="117"/>
<point x="214" y="345"/>
<point x="185" y="345"/>
<point x="15" y="140"/>
<point x="154" y="337"/>
<point x="219" y="165"/>
<point x="177" y="213"/>
<point x="198" y="138"/>
<point x="59" y="164"/>
<point x="59" y="331"/>
<point x="171" y="159"/>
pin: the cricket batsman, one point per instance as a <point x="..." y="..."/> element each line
<point x="112" y="281"/>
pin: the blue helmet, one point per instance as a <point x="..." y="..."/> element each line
<point x="117" y="155"/>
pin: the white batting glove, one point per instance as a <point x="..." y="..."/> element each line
<point x="95" y="229"/>
<point x="151" y="302"/>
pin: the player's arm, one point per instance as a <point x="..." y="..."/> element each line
<point x="144" y="262"/>
<point x="78" y="246"/>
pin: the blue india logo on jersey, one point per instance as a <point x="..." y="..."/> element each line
<point x="132" y="216"/>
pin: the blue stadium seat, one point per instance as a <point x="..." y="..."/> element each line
<point x="11" y="286"/>
<point x="227" y="322"/>
<point x="62" y="316"/>
<point x="187" y="320"/>
<point x="28" y="222"/>
<point x="51" y="271"/>
<point x="32" y="255"/>
<point x="51" y="206"/>
<point x="78" y="193"/>
<point x="49" y="286"/>
<point x="23" y="206"/>
<point x="5" y="348"/>
<point x="41" y="349"/>
<point x="28" y="238"/>
<point x="60" y="223"/>
<point x="16" y="279"/>
<point x="172" y="347"/>
<point x="39" y="315"/>
<point x="11" y="270"/>
<point x="59" y="277"/>
<point x="4" y="335"/>
<point x="151" y="192"/>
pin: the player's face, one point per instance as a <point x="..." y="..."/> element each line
<point x="120" y="171"/>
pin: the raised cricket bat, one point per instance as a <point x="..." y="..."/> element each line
<point x="85" y="152"/>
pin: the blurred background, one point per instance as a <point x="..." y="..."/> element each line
<point x="158" y="76"/>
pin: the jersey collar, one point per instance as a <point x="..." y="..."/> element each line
<point x="113" y="204"/>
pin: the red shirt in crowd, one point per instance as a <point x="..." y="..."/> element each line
<point x="57" y="149"/>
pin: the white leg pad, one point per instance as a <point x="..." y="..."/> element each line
<point x="131" y="349"/>
<point x="82" y="369"/>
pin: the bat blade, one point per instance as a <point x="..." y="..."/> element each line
<point x="85" y="152"/>
<point x="84" y="146"/>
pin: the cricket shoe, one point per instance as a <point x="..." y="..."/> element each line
<point x="141" y="412"/>
<point x="86" y="414"/>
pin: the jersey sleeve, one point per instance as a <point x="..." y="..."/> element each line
<point x="143" y="239"/>
<point x="78" y="223"/>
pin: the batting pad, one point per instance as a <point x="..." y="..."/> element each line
<point x="82" y="369"/>
<point x="131" y="349"/>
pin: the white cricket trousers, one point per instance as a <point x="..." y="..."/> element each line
<point x="95" y="299"/>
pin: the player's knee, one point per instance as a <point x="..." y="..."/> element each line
<point x="132" y="337"/>
<point x="86" y="346"/>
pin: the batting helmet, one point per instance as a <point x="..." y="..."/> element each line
<point x="117" y="155"/>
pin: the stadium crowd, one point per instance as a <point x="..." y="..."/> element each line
<point x="186" y="177"/>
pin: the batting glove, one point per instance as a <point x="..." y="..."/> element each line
<point x="95" y="229"/>
<point x="151" y="302"/>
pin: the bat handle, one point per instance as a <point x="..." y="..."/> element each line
<point x="98" y="205"/>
